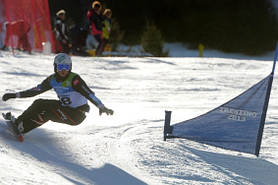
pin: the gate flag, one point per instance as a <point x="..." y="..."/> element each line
<point x="26" y="24"/>
<point x="236" y="125"/>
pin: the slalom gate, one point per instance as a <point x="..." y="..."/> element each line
<point x="25" y="24"/>
<point x="236" y="125"/>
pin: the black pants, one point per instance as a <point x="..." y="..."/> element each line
<point x="66" y="48"/>
<point x="101" y="44"/>
<point x="43" y="110"/>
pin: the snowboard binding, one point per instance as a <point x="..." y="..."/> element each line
<point x="12" y="126"/>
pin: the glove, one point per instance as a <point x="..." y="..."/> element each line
<point x="8" y="96"/>
<point x="106" y="110"/>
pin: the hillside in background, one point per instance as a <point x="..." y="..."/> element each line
<point x="248" y="26"/>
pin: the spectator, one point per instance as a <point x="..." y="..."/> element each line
<point x="19" y="28"/>
<point x="61" y="31"/>
<point x="96" y="20"/>
<point x="106" y="29"/>
<point x="78" y="35"/>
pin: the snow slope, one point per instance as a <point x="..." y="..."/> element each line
<point x="128" y="148"/>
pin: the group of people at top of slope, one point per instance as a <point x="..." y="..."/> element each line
<point x="100" y="25"/>
<point x="100" y="28"/>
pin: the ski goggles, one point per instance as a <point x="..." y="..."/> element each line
<point x="61" y="67"/>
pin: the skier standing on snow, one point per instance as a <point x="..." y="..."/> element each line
<point x="72" y="105"/>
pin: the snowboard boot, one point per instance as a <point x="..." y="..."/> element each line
<point x="14" y="123"/>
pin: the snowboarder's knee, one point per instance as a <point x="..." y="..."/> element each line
<point x="38" y="102"/>
<point x="44" y="103"/>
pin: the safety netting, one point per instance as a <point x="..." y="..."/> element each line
<point x="25" y="24"/>
<point x="236" y="125"/>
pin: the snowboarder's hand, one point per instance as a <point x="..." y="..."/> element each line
<point x="8" y="96"/>
<point x="103" y="109"/>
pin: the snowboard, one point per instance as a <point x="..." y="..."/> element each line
<point x="11" y="127"/>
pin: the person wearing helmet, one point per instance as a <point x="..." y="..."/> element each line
<point x="72" y="105"/>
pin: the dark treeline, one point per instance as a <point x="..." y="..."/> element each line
<point x="247" y="26"/>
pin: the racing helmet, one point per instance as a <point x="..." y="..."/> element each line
<point x="62" y="61"/>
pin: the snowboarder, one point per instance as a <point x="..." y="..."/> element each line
<point x="72" y="105"/>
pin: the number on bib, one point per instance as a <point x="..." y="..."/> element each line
<point x="65" y="100"/>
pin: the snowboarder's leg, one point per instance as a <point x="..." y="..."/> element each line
<point x="67" y="115"/>
<point x="36" y="115"/>
<point x="43" y="110"/>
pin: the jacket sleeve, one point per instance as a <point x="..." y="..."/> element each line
<point x="90" y="15"/>
<point x="80" y="86"/>
<point x="94" y="21"/>
<point x="95" y="31"/>
<point x="44" y="86"/>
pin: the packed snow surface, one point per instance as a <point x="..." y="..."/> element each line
<point x="128" y="148"/>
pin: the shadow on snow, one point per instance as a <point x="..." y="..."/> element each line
<point x="255" y="170"/>
<point x="46" y="150"/>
